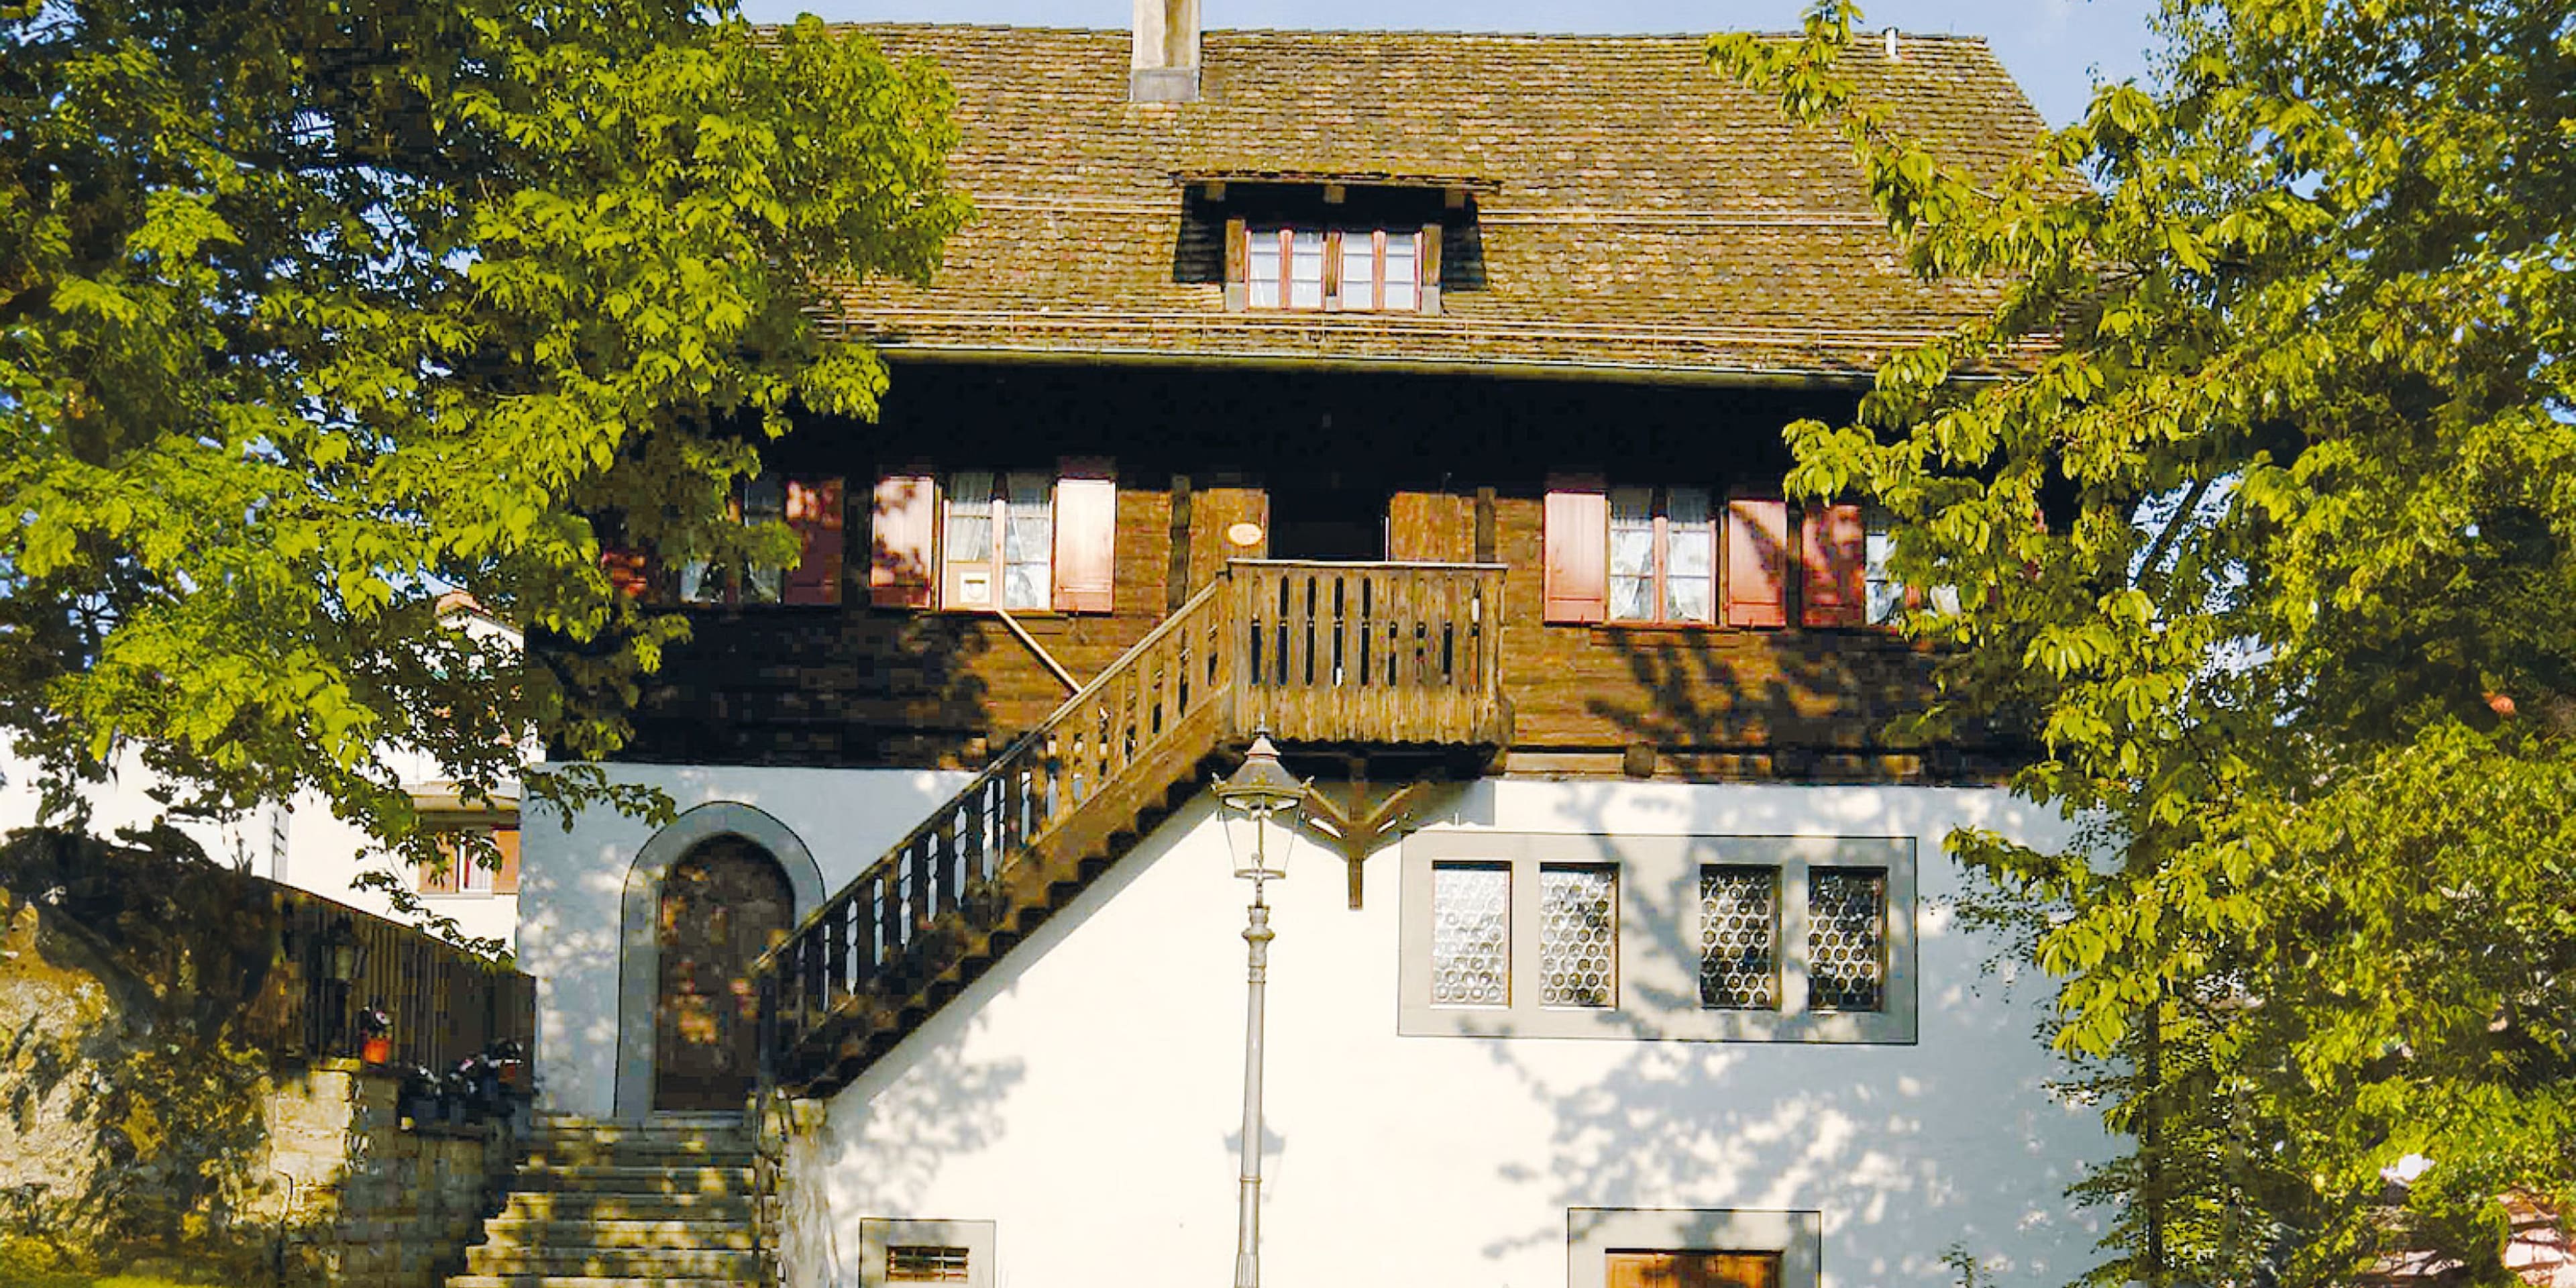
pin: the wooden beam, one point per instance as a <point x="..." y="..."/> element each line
<point x="1360" y="826"/>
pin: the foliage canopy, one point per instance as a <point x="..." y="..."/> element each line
<point x="310" y="311"/>
<point x="2258" y="491"/>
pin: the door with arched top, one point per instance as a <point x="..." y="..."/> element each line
<point x="723" y="904"/>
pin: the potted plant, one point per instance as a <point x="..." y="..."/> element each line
<point x="375" y="1036"/>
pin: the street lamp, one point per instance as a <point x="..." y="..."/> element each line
<point x="1260" y="802"/>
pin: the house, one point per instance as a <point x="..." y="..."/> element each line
<point x="1414" y="400"/>
<point x="301" y="843"/>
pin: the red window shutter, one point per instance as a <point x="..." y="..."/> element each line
<point x="506" y="879"/>
<point x="1757" y="555"/>
<point x="814" y="511"/>
<point x="629" y="573"/>
<point x="1833" y="554"/>
<point x="1086" y="537"/>
<point x="905" y="515"/>
<point x="1577" y="533"/>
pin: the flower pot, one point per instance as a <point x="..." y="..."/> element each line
<point x="376" y="1050"/>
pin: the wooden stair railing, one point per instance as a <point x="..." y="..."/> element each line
<point x="1388" y="653"/>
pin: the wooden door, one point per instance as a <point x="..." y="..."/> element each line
<point x="723" y="905"/>
<point x="1694" y="1270"/>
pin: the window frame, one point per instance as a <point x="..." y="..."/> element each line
<point x="1659" y="506"/>
<point x="998" y="562"/>
<point x="456" y="879"/>
<point x="1593" y="1233"/>
<point x="1331" y="298"/>
<point x="1658" y="938"/>
<point x="730" y="582"/>
<point x="877" y="1234"/>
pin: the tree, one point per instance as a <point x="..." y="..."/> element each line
<point x="2254" y="500"/>
<point x="312" y="311"/>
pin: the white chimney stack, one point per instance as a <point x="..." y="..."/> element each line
<point x="1164" y="67"/>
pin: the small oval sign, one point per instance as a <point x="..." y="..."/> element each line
<point x="1244" y="534"/>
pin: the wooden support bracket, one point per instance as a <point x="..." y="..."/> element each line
<point x="1360" y="823"/>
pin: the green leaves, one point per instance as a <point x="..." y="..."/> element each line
<point x="2266" y="531"/>
<point x="310" y="314"/>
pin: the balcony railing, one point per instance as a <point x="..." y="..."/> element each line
<point x="1370" y="652"/>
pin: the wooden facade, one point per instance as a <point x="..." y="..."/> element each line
<point x="1339" y="473"/>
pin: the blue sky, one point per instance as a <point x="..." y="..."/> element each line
<point x="2055" y="47"/>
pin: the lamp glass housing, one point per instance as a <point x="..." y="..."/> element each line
<point x="1261" y="803"/>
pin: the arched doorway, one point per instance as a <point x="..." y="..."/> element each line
<point x="723" y="904"/>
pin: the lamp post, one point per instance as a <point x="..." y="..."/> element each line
<point x="1260" y="802"/>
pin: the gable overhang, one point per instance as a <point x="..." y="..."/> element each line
<point x="1854" y="380"/>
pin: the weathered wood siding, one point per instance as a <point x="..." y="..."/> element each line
<point x="1462" y="466"/>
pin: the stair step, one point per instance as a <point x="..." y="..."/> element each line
<point x="587" y="1281"/>
<point x="561" y="1152"/>
<point x="610" y="1179"/>
<point x="578" y="1205"/>
<point x="703" y="1233"/>
<point x="484" y="1259"/>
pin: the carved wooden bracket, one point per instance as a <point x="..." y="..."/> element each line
<point x="1365" y="815"/>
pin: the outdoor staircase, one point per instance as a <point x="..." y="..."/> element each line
<point x="670" y="1203"/>
<point x="1317" y="654"/>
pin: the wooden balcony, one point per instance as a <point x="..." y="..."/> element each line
<point x="1349" y="655"/>
<point x="1370" y="653"/>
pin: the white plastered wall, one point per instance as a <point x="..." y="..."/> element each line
<point x="572" y="889"/>
<point x="1086" y="1093"/>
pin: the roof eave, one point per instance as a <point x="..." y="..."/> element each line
<point x="1499" y="369"/>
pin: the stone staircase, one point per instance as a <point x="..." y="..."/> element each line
<point x="666" y="1204"/>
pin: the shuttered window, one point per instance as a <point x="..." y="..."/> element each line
<point x="1659" y="555"/>
<point x="463" y="871"/>
<point x="1019" y="540"/>
<point x="810" y="507"/>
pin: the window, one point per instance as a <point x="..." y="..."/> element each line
<point x="1692" y="1248"/>
<point x="1843" y="552"/>
<point x="463" y="872"/>
<point x="1663" y="555"/>
<point x="1695" y="938"/>
<point x="1351" y="270"/>
<point x="976" y="540"/>
<point x="895" y="1251"/>
<point x="811" y="508"/>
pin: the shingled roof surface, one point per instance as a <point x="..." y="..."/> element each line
<point x="1636" y="213"/>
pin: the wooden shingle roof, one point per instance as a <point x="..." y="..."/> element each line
<point x="1636" y="213"/>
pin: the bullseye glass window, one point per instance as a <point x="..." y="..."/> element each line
<point x="1739" y="933"/>
<point x="1846" y="939"/>
<point x="1471" y="934"/>
<point x="1578" y="937"/>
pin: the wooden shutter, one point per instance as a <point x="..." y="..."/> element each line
<point x="905" y="516"/>
<point x="629" y="572"/>
<point x="1757" y="555"/>
<point x="1086" y="537"/>
<point x="1237" y="289"/>
<point x="440" y="878"/>
<point x="1833" y="557"/>
<point x="1577" y="533"/>
<point x="1430" y="527"/>
<point x="814" y="511"/>
<point x="506" y="879"/>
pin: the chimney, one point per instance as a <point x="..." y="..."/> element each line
<point x="1165" y="64"/>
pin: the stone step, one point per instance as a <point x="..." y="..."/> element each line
<point x="640" y="1263"/>
<point x="574" y="1205"/>
<point x="566" y="1150"/>
<point x="506" y="1231"/>
<point x="611" y="1179"/>
<point x="585" y="1281"/>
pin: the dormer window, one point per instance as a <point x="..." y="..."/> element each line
<point x="1346" y="270"/>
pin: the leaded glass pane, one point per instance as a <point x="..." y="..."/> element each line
<point x="1359" y="271"/>
<point x="1886" y="595"/>
<point x="1306" y="271"/>
<point x="1262" y="268"/>
<point x="1471" y="935"/>
<point x="1028" y="545"/>
<point x="969" y="538"/>
<point x="1578" y="936"/>
<point x="1739" y="931"/>
<point x="1846" y="939"/>
<point x="1402" y="289"/>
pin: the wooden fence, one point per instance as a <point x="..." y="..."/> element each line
<point x="443" y="1003"/>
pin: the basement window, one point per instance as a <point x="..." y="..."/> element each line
<point x="899" y="1251"/>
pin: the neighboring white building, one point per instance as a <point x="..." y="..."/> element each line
<point x="1415" y="399"/>
<point x="302" y="844"/>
